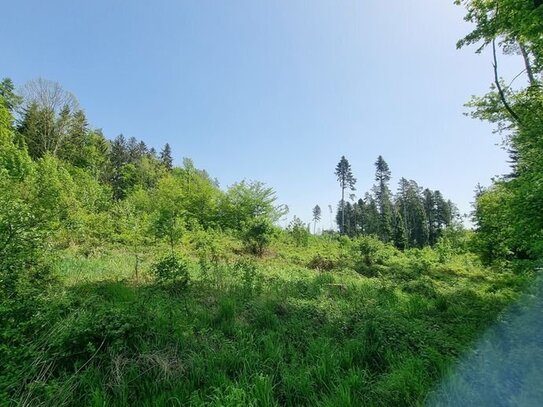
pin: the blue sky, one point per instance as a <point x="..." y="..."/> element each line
<point x="273" y="90"/>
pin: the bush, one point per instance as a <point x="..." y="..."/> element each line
<point x="171" y="270"/>
<point x="319" y="262"/>
<point x="369" y="251"/>
<point x="299" y="233"/>
<point x="257" y="234"/>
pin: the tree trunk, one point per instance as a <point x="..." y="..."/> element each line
<point x="528" y="64"/>
<point x="343" y="209"/>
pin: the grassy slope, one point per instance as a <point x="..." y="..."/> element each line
<point x="277" y="334"/>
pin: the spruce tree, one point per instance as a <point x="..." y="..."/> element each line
<point x="383" y="198"/>
<point x="316" y="217"/>
<point x="372" y="215"/>
<point x="166" y="157"/>
<point x="118" y="158"/>
<point x="399" y="234"/>
<point x="346" y="180"/>
<point x="430" y="210"/>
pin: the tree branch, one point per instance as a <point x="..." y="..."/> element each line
<point x="499" y="87"/>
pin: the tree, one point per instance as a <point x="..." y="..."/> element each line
<point x="166" y="157"/>
<point x="514" y="27"/>
<point x="298" y="230"/>
<point x="372" y="215"/>
<point x="118" y="157"/>
<point x="11" y="99"/>
<point x="430" y="208"/>
<point x="316" y="216"/>
<point x="247" y="200"/>
<point x="14" y="160"/>
<point x="168" y="218"/>
<point x="257" y="233"/>
<point x="409" y="204"/>
<point x="346" y="180"/>
<point x="399" y="235"/>
<point x="383" y="198"/>
<point x="133" y="227"/>
<point x="49" y="112"/>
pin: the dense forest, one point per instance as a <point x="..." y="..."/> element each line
<point x="126" y="279"/>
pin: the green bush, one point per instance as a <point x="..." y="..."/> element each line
<point x="298" y="232"/>
<point x="319" y="262"/>
<point x="368" y="252"/>
<point x="171" y="270"/>
<point x="257" y="234"/>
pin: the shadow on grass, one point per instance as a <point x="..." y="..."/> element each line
<point x="307" y="341"/>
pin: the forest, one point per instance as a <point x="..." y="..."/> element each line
<point x="128" y="280"/>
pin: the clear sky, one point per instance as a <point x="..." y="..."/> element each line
<point x="273" y="90"/>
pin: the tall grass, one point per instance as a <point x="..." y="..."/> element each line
<point x="265" y="332"/>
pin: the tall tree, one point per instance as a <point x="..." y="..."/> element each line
<point x="316" y="217"/>
<point x="430" y="208"/>
<point x="11" y="99"/>
<point x="372" y="215"/>
<point x="166" y="158"/>
<point x="409" y="203"/>
<point x="513" y="204"/>
<point x="346" y="180"/>
<point x="383" y="197"/>
<point x="49" y="112"/>
<point x="399" y="235"/>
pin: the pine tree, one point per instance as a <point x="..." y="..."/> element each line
<point x="410" y="204"/>
<point x="361" y="218"/>
<point x="383" y="197"/>
<point x="316" y="216"/>
<point x="444" y="211"/>
<point x="399" y="233"/>
<point x="346" y="180"/>
<point x="118" y="158"/>
<point x="372" y="215"/>
<point x="430" y="210"/>
<point x="166" y="157"/>
<point x="11" y="100"/>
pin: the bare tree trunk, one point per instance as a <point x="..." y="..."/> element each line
<point x="528" y="64"/>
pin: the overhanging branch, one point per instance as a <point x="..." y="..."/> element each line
<point x="499" y="86"/>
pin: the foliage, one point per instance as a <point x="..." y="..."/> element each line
<point x="298" y="231"/>
<point x="244" y="201"/>
<point x="508" y="218"/>
<point x="346" y="180"/>
<point x="171" y="270"/>
<point x="316" y="216"/>
<point x="369" y="252"/>
<point x="256" y="234"/>
<point x="380" y="327"/>
<point x="413" y="217"/>
<point x="273" y="334"/>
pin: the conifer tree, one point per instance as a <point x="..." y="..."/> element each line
<point x="372" y="215"/>
<point x="383" y="198"/>
<point x="166" y="157"/>
<point x="399" y="234"/>
<point x="316" y="217"/>
<point x="346" y="180"/>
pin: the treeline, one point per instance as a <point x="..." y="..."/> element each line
<point x="413" y="217"/>
<point x="65" y="185"/>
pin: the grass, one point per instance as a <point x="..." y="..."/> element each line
<point x="275" y="333"/>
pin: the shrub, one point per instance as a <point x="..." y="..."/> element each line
<point x="257" y="234"/>
<point x="298" y="231"/>
<point x="369" y="251"/>
<point x="171" y="270"/>
<point x="319" y="262"/>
